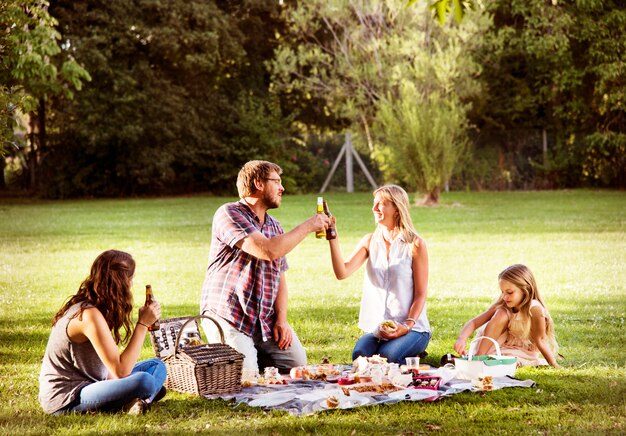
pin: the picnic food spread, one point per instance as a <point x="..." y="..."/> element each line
<point x="368" y="375"/>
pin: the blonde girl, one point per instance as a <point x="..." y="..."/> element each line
<point x="518" y="321"/>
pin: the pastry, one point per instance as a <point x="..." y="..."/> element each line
<point x="332" y="402"/>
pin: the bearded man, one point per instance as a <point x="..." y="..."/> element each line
<point x="245" y="287"/>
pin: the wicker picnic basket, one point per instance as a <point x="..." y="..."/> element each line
<point x="206" y="369"/>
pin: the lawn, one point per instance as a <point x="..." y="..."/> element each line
<point x="574" y="241"/>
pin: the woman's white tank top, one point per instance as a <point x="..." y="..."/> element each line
<point x="388" y="285"/>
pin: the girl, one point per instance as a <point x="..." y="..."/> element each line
<point x="396" y="280"/>
<point x="82" y="368"/>
<point x="518" y="321"/>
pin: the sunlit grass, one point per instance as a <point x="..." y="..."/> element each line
<point x="574" y="241"/>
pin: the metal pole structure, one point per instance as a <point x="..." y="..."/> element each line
<point x="350" y="152"/>
<point x="368" y="176"/>
<point x="349" y="166"/>
<point x="333" y="169"/>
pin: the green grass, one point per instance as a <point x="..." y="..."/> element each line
<point x="574" y="241"/>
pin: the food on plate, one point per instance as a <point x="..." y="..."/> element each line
<point x="380" y="389"/>
<point x="296" y="372"/>
<point x="320" y="372"/>
<point x="270" y="376"/>
<point x="246" y="383"/>
<point x="426" y="382"/>
<point x="376" y="358"/>
<point x="346" y="381"/>
<point x="484" y="383"/>
<point x="332" y="402"/>
<point x="388" y="326"/>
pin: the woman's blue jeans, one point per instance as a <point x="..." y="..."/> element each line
<point x="395" y="350"/>
<point x="145" y="381"/>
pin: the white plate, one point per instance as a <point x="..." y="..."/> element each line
<point x="462" y="386"/>
<point x="274" y="399"/>
<point x="347" y="402"/>
<point x="413" y="394"/>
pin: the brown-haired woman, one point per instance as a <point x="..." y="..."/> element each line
<point x="83" y="369"/>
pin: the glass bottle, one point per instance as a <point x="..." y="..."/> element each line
<point x="331" y="231"/>
<point x="320" y="209"/>
<point x="149" y="299"/>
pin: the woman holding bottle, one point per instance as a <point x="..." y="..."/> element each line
<point x="395" y="283"/>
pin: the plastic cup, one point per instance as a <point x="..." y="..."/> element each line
<point x="412" y="362"/>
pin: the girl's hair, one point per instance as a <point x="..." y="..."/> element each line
<point x="253" y="171"/>
<point x="522" y="277"/>
<point x="108" y="289"/>
<point x="400" y="199"/>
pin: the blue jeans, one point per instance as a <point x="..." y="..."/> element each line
<point x="395" y="350"/>
<point x="145" y="381"/>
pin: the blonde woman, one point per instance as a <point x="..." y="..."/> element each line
<point x="518" y="321"/>
<point x="395" y="283"/>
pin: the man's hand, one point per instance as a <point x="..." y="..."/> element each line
<point x="283" y="334"/>
<point x="318" y="222"/>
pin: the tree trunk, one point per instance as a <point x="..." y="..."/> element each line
<point x="32" y="155"/>
<point x="37" y="141"/>
<point x="3" y="164"/>
<point x="430" y="199"/>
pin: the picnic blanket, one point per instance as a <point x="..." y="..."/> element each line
<point x="305" y="397"/>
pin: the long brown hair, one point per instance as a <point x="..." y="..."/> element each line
<point x="108" y="289"/>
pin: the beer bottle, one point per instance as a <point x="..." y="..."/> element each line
<point x="320" y="209"/>
<point x="150" y="299"/>
<point x="331" y="231"/>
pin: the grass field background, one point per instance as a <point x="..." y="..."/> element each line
<point x="574" y="242"/>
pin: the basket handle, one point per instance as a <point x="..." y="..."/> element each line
<point x="469" y="355"/>
<point x="193" y="318"/>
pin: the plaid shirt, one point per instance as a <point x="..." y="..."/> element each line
<point x="238" y="286"/>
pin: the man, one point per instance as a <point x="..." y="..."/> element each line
<point x="245" y="287"/>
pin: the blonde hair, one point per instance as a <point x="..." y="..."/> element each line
<point x="521" y="276"/>
<point x="251" y="172"/>
<point x="400" y="199"/>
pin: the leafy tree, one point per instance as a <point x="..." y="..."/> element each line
<point x="179" y="98"/>
<point x="28" y="73"/>
<point x="558" y="67"/>
<point x="362" y="60"/>
<point x="154" y="115"/>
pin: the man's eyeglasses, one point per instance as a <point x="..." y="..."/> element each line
<point x="279" y="181"/>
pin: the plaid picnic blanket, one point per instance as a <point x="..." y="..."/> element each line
<point x="305" y="397"/>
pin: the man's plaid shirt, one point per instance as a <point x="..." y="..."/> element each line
<point x="238" y="286"/>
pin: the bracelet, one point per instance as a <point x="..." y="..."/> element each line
<point x="145" y="325"/>
<point x="411" y="319"/>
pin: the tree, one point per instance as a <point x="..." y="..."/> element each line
<point x="560" y="68"/>
<point x="28" y="73"/>
<point x="362" y="59"/>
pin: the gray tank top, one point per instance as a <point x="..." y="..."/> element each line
<point x="67" y="367"/>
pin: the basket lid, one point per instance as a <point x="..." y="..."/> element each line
<point x="210" y="354"/>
